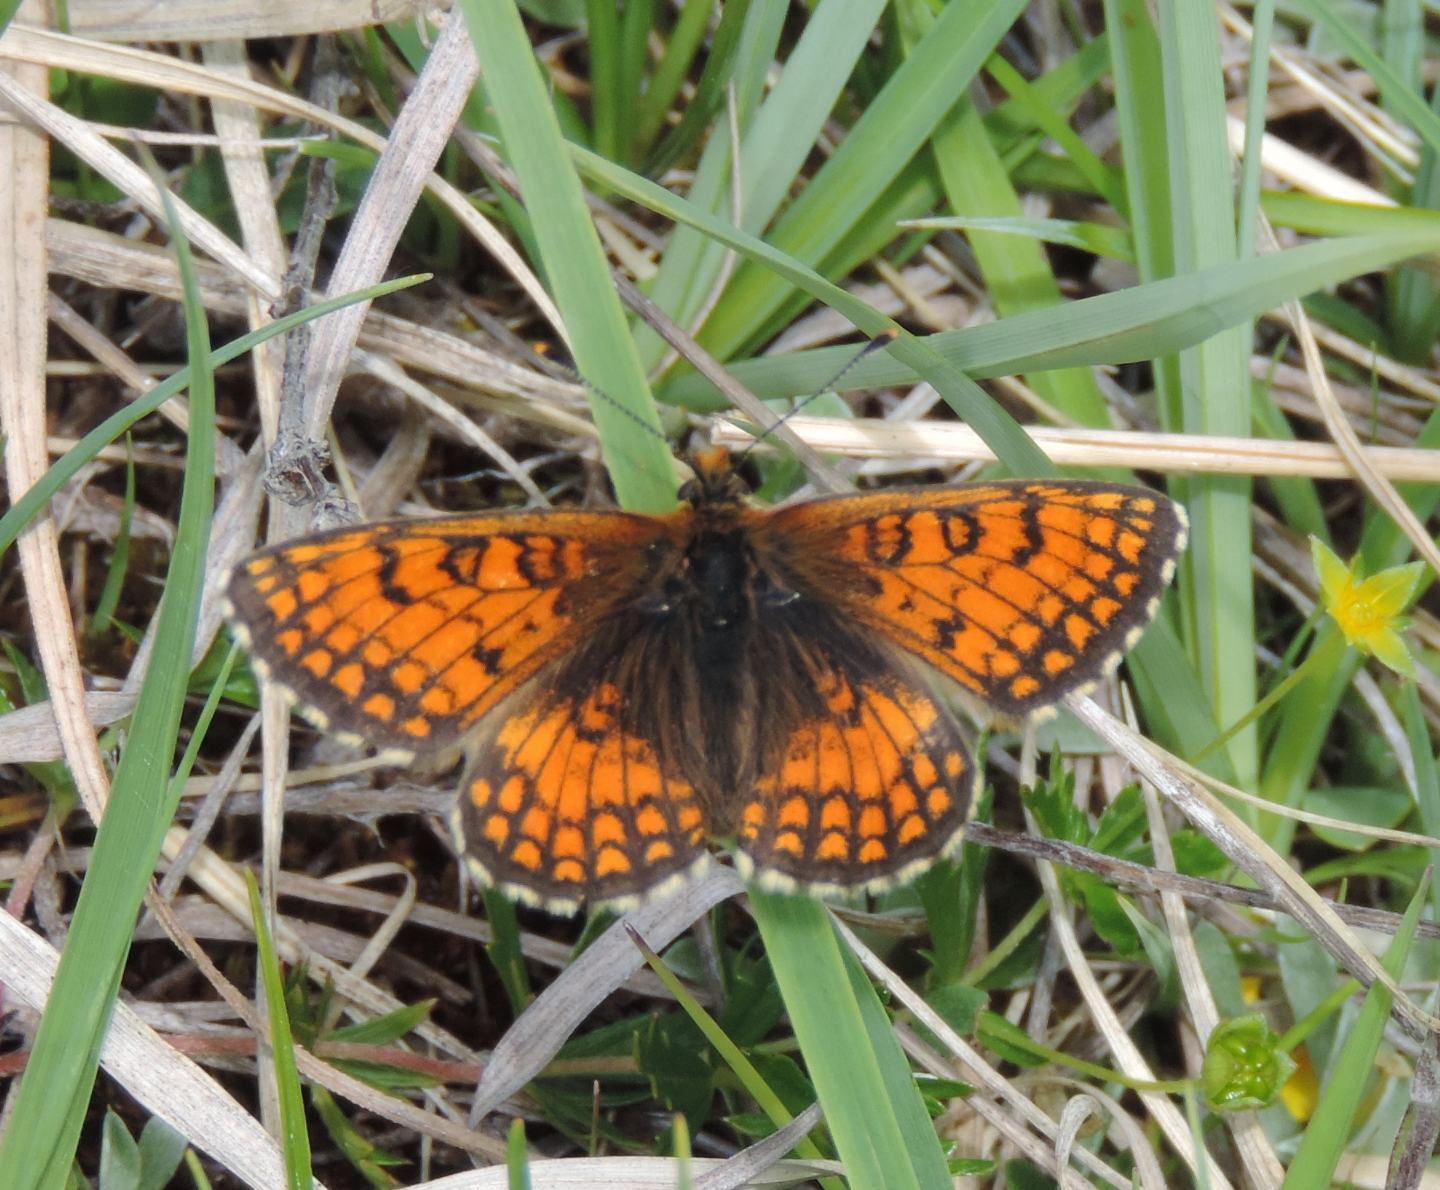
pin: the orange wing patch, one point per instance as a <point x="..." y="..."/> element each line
<point x="563" y="805"/>
<point x="1022" y="592"/>
<point x="408" y="632"/>
<point x="865" y="795"/>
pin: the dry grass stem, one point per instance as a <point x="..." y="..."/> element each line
<point x="1144" y="451"/>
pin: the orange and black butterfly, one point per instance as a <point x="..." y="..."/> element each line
<point x="630" y="686"/>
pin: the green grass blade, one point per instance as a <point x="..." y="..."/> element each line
<point x="1132" y="324"/>
<point x="1427" y="772"/>
<point x="1412" y="305"/>
<point x="1262" y="23"/>
<point x="607" y="106"/>
<point x="1104" y="180"/>
<point x="1214" y="375"/>
<point x="670" y="74"/>
<point x="1328" y="1130"/>
<point x="1142" y="107"/>
<point x="1011" y="445"/>
<point x="636" y="22"/>
<point x="1095" y="238"/>
<point x="893" y="128"/>
<point x="729" y="1053"/>
<point x="776" y="140"/>
<point x="872" y="1107"/>
<point x="1016" y="270"/>
<point x="51" y="1102"/>
<point x="636" y="453"/>
<point x="1324" y="217"/>
<point x="1177" y="713"/>
<point x="109" y="598"/>
<point x="295" y="1139"/>
<point x="517" y="1160"/>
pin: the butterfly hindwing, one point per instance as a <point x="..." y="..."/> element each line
<point x="1020" y="591"/>
<point x="406" y="633"/>
<point x="866" y="788"/>
<point x="566" y="802"/>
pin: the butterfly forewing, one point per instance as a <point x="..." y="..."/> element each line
<point x="1021" y="592"/>
<point x="406" y="633"/>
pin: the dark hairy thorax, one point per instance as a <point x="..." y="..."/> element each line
<point x="710" y="662"/>
<point x="720" y="606"/>
<point x="746" y="646"/>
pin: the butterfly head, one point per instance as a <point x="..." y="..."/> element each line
<point x="716" y="481"/>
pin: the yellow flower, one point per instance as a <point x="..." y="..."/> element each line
<point x="1368" y="609"/>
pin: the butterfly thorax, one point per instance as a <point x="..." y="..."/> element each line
<point x="719" y="598"/>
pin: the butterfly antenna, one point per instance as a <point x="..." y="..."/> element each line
<point x="883" y="339"/>
<point x="557" y="366"/>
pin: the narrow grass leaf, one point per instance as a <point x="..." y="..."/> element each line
<point x="1214" y="374"/>
<point x="294" y="1138"/>
<point x="1016" y="270"/>
<point x="1427" y="773"/>
<point x="730" y="1053"/>
<point x="1137" y="323"/>
<point x="1110" y="242"/>
<point x="607" y="109"/>
<point x="841" y="1045"/>
<point x="517" y="1160"/>
<point x="1262" y="26"/>
<point x="892" y="129"/>
<point x="1412" y="305"/>
<point x="1327" y="1133"/>
<point x="1000" y="431"/>
<point x="670" y="73"/>
<point x="777" y="138"/>
<point x="1105" y="181"/>
<point x="902" y="1092"/>
<point x="119" y="556"/>
<point x="636" y="453"/>
<point x="50" y="1104"/>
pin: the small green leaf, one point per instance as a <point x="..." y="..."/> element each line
<point x="119" y="1155"/>
<point x="161" y="1151"/>
<point x="672" y="1053"/>
<point x="1122" y="824"/>
<point x="359" y="1150"/>
<point x="959" y="1006"/>
<point x="384" y="1030"/>
<point x="1366" y="805"/>
<point x="1106" y="914"/>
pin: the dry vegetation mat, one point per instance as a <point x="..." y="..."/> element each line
<point x="748" y="895"/>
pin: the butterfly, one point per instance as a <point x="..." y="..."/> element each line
<point x="631" y="686"/>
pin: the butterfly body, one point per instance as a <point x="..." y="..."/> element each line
<point x="629" y="686"/>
